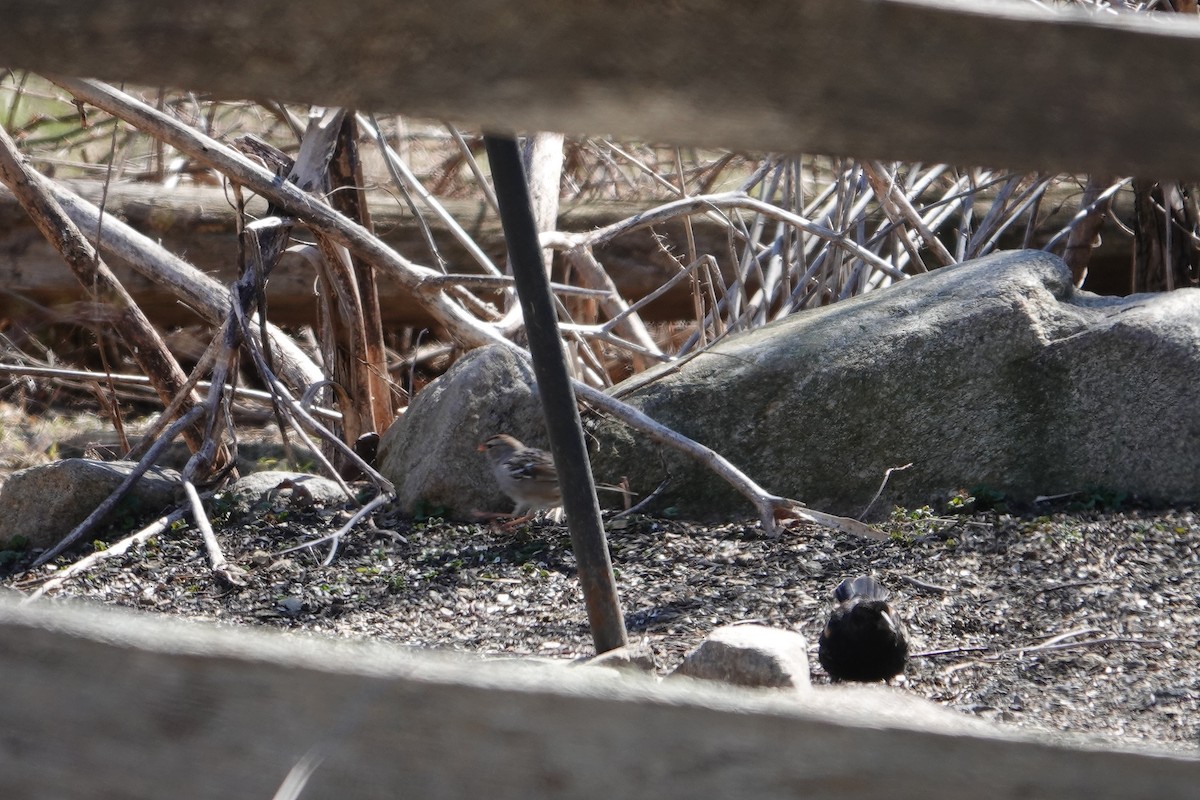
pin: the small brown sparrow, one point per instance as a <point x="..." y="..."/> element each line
<point x="526" y="474"/>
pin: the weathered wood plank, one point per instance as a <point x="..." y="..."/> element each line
<point x="994" y="82"/>
<point x="97" y="703"/>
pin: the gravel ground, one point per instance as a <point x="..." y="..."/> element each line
<point x="1076" y="622"/>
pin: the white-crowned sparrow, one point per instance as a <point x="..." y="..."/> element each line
<point x="526" y="474"/>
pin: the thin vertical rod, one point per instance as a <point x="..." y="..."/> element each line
<point x="558" y="397"/>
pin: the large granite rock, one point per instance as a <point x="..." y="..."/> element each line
<point x="430" y="453"/>
<point x="43" y="504"/>
<point x="993" y="373"/>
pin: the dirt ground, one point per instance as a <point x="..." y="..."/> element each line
<point x="1081" y="621"/>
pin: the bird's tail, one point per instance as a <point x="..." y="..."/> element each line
<point x="863" y="586"/>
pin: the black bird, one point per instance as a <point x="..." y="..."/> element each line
<point x="863" y="640"/>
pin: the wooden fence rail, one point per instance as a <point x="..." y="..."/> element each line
<point x="99" y="703"/>
<point x="990" y="82"/>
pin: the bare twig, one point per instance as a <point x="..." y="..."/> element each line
<point x="144" y="343"/>
<point x="118" y="548"/>
<point x="645" y="501"/>
<point x="302" y="422"/>
<point x="1056" y="644"/>
<point x="952" y="651"/>
<point x="887" y="475"/>
<point x="729" y="200"/>
<point x="64" y="374"/>
<point x="925" y="586"/>
<point x="368" y="508"/>
<point x="772" y="509"/>
<point x="506" y="282"/>
<point x="898" y="209"/>
<point x="405" y="177"/>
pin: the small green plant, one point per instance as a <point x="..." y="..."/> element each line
<point x="430" y="514"/>
<point x="961" y="502"/>
<point x="906" y="525"/>
<point x="221" y="507"/>
<point x="989" y="499"/>
<point x="1099" y="498"/>
<point x="1062" y="534"/>
<point x="17" y="543"/>
<point x="13" y="550"/>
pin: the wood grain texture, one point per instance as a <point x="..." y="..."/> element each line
<point x="993" y="82"/>
<point x="99" y="703"/>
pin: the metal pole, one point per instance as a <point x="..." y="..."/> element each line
<point x="558" y="397"/>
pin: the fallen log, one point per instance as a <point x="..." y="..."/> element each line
<point x="199" y="223"/>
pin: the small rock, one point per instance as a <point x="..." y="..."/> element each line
<point x="297" y="488"/>
<point x="291" y="605"/>
<point x="750" y="655"/>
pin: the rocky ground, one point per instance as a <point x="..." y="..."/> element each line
<point x="1080" y="621"/>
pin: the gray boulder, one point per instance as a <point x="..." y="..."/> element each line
<point x="994" y="373"/>
<point x="750" y="655"/>
<point x="45" y="503"/>
<point x="430" y="453"/>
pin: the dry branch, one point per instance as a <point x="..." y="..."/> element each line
<point x="729" y="200"/>
<point x="462" y="325"/>
<point x="772" y="509"/>
<point x="145" y="345"/>
<point x="318" y="215"/>
<point x="1082" y="238"/>
<point x="900" y="210"/>
<point x="203" y="294"/>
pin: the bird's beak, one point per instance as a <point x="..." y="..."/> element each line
<point x="481" y="448"/>
<point x="887" y="617"/>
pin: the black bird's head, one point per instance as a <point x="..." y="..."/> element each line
<point x="864" y="639"/>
